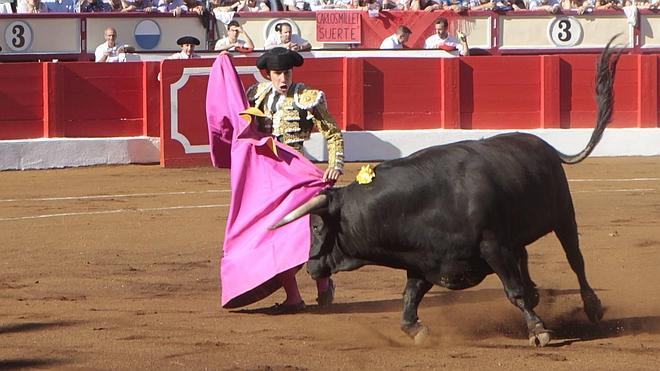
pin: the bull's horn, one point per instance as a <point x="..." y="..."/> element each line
<point x="315" y="203"/>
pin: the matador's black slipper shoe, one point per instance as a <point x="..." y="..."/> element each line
<point x="278" y="309"/>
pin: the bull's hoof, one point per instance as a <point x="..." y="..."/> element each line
<point x="539" y="337"/>
<point x="418" y="332"/>
<point x="592" y="307"/>
<point x="539" y="340"/>
<point x="422" y="336"/>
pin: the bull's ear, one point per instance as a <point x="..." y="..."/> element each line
<point x="320" y="245"/>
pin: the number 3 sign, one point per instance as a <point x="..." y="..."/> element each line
<point x="565" y="31"/>
<point x="18" y="36"/>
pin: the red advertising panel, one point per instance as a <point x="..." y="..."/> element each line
<point x="342" y="27"/>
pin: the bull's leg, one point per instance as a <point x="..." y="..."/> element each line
<point x="568" y="236"/>
<point x="530" y="286"/>
<point x="416" y="288"/>
<point x="506" y="264"/>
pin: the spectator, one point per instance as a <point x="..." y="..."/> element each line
<point x="321" y="4"/>
<point x="442" y="40"/>
<point x="137" y="6"/>
<point x="296" y="5"/>
<point x="195" y="6"/>
<point x="31" y="6"/>
<point x="251" y="6"/>
<point x="550" y="6"/>
<point x="94" y="6"/>
<point x="284" y="37"/>
<point x="5" y="8"/>
<point x="218" y="6"/>
<point x="398" y="39"/>
<point x="431" y="5"/>
<point x="396" y="4"/>
<point x="231" y="41"/>
<point x="60" y="6"/>
<point x="371" y="6"/>
<point x="507" y="5"/>
<point x="608" y="4"/>
<point x="481" y="5"/>
<point x="582" y="6"/>
<point x="116" y="5"/>
<point x="187" y="44"/>
<point x="176" y="7"/>
<point x="110" y="51"/>
<point x="518" y="4"/>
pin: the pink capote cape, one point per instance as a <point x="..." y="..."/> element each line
<point x="268" y="180"/>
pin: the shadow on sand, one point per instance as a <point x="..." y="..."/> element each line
<point x="22" y="363"/>
<point x="569" y="331"/>
<point x="33" y="326"/>
<point x="567" y="328"/>
<point x="432" y="299"/>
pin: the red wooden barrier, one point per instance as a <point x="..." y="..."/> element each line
<point x="79" y="100"/>
<point x="97" y="100"/>
<point x="21" y="101"/>
<point x="502" y="92"/>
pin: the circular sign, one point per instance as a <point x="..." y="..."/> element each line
<point x="147" y="34"/>
<point x="18" y="36"/>
<point x="565" y="31"/>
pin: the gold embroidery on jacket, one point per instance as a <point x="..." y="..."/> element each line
<point x="286" y="121"/>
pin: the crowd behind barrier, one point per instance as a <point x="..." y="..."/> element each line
<point x="153" y="36"/>
<point x="178" y="7"/>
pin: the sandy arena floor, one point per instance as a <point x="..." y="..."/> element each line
<point x="117" y="268"/>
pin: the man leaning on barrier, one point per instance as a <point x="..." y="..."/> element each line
<point x="398" y="39"/>
<point x="441" y="39"/>
<point x="231" y="41"/>
<point x="110" y="51"/>
<point x="284" y="37"/>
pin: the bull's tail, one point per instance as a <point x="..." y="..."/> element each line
<point x="605" y="99"/>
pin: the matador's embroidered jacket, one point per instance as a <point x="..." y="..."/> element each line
<point x="291" y="118"/>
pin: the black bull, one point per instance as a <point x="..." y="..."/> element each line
<point x="450" y="215"/>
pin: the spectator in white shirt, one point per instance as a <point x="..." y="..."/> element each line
<point x="187" y="44"/>
<point x="31" y="6"/>
<point x="398" y="39"/>
<point x="442" y="40"/>
<point x="550" y="6"/>
<point x="176" y="7"/>
<point x="110" y="51"/>
<point x="5" y="8"/>
<point x="147" y="6"/>
<point x="251" y="6"/>
<point x="231" y="41"/>
<point x="285" y="38"/>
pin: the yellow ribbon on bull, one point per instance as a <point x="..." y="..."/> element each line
<point x="365" y="175"/>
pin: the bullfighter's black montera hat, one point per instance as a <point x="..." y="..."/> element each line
<point x="188" y="40"/>
<point x="279" y="59"/>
